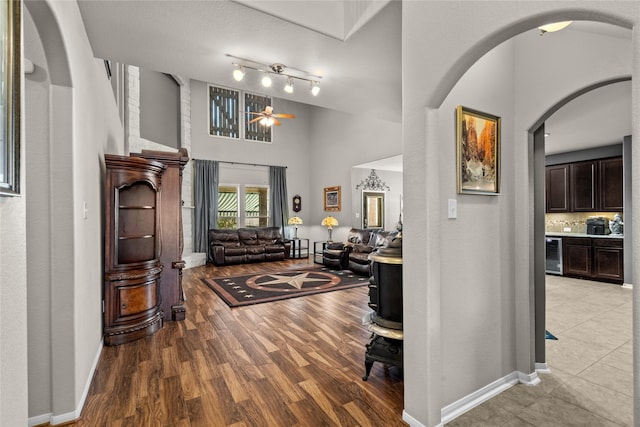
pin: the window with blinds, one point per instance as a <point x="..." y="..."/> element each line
<point x="225" y="118"/>
<point x="224" y="112"/>
<point x="255" y="131"/>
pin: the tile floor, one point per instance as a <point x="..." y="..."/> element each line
<point x="591" y="379"/>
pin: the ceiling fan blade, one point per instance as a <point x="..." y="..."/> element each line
<point x="276" y="122"/>
<point x="254" y="120"/>
<point x="261" y="113"/>
<point x="285" y="116"/>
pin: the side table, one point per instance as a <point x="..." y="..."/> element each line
<point x="318" y="247"/>
<point x="299" y="248"/>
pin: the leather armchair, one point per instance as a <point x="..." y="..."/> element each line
<point x="358" y="258"/>
<point x="336" y="254"/>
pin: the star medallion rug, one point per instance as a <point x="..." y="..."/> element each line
<point x="238" y="291"/>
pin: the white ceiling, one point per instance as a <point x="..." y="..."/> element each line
<point x="354" y="45"/>
<point x="192" y="38"/>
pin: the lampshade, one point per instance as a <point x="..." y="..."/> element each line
<point x="329" y="221"/>
<point x="289" y="86"/>
<point x="295" y="220"/>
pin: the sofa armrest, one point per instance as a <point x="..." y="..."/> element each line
<point x="335" y="246"/>
<point x="217" y="254"/>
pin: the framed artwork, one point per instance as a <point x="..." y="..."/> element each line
<point x="332" y="198"/>
<point x="477" y="152"/>
<point x="10" y="78"/>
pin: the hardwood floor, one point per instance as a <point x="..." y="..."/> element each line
<point x="296" y="362"/>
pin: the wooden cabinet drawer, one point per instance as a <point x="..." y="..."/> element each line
<point x="603" y="242"/>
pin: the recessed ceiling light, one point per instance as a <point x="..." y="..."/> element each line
<point x="553" y="27"/>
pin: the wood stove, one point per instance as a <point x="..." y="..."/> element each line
<point x="385" y="298"/>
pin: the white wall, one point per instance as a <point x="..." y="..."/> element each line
<point x="445" y="368"/>
<point x="82" y="124"/>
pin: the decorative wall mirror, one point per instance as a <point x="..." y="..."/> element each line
<point x="373" y="209"/>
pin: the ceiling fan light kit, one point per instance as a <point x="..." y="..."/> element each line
<point x="275" y="69"/>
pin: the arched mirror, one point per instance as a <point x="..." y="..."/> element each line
<point x="373" y="209"/>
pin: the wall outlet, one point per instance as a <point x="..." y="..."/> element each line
<point x="567" y="229"/>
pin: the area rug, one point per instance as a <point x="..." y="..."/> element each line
<point x="239" y="291"/>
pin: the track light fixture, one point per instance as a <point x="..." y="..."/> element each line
<point x="275" y="69"/>
<point x="289" y="86"/>
<point x="315" y="89"/>
<point x="238" y="73"/>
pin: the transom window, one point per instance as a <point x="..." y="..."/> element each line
<point x="225" y="106"/>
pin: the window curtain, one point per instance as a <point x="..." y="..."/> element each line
<point x="279" y="207"/>
<point x="205" y="187"/>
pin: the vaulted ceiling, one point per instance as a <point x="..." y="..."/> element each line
<point x="354" y="45"/>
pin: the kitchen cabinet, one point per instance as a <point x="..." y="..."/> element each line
<point x="584" y="186"/>
<point x="608" y="259"/>
<point x="577" y="256"/>
<point x="611" y="184"/>
<point x="589" y="186"/>
<point x="597" y="258"/>
<point x="557" y="189"/>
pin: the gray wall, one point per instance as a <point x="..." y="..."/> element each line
<point x="436" y="301"/>
<point x="159" y="108"/>
<point x="319" y="146"/>
<point x="613" y="150"/>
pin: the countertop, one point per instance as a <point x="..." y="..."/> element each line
<point x="596" y="236"/>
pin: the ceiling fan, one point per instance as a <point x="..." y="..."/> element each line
<point x="267" y="117"/>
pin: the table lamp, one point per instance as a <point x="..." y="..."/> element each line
<point x="295" y="221"/>
<point x="329" y="222"/>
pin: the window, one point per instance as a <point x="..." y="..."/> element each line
<point x="228" y="207"/>
<point x="225" y="119"/>
<point x="224" y="112"/>
<point x="255" y="131"/>
<point x="255" y="208"/>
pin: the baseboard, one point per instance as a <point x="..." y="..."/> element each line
<point x="529" y="379"/>
<point x="413" y="422"/>
<point x="627" y="286"/>
<point x="542" y="368"/>
<point x="74" y="415"/>
<point x="454" y="410"/>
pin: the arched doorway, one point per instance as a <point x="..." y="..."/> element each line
<point x="431" y="72"/>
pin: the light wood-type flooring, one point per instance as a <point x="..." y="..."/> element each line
<point x="296" y="362"/>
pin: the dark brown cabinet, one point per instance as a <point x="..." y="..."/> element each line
<point x="557" y="189"/>
<point x="608" y="258"/>
<point x="132" y="265"/>
<point x="577" y="256"/>
<point x="597" y="258"/>
<point x="611" y="184"/>
<point x="584" y="186"/>
<point x="172" y="241"/>
<point x="590" y="186"/>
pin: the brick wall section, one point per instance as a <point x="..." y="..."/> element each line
<point x="135" y="144"/>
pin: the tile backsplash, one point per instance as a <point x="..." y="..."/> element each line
<point x="576" y="221"/>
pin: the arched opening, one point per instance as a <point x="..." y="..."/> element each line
<point x="516" y="206"/>
<point x="49" y="216"/>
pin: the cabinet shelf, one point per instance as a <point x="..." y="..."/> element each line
<point x="135" y="207"/>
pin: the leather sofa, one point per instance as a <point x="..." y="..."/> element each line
<point x="354" y="253"/>
<point x="228" y="246"/>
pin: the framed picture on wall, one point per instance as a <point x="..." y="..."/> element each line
<point x="477" y="152"/>
<point x="332" y="198"/>
<point x="10" y="81"/>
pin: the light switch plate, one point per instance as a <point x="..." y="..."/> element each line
<point x="452" y="209"/>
